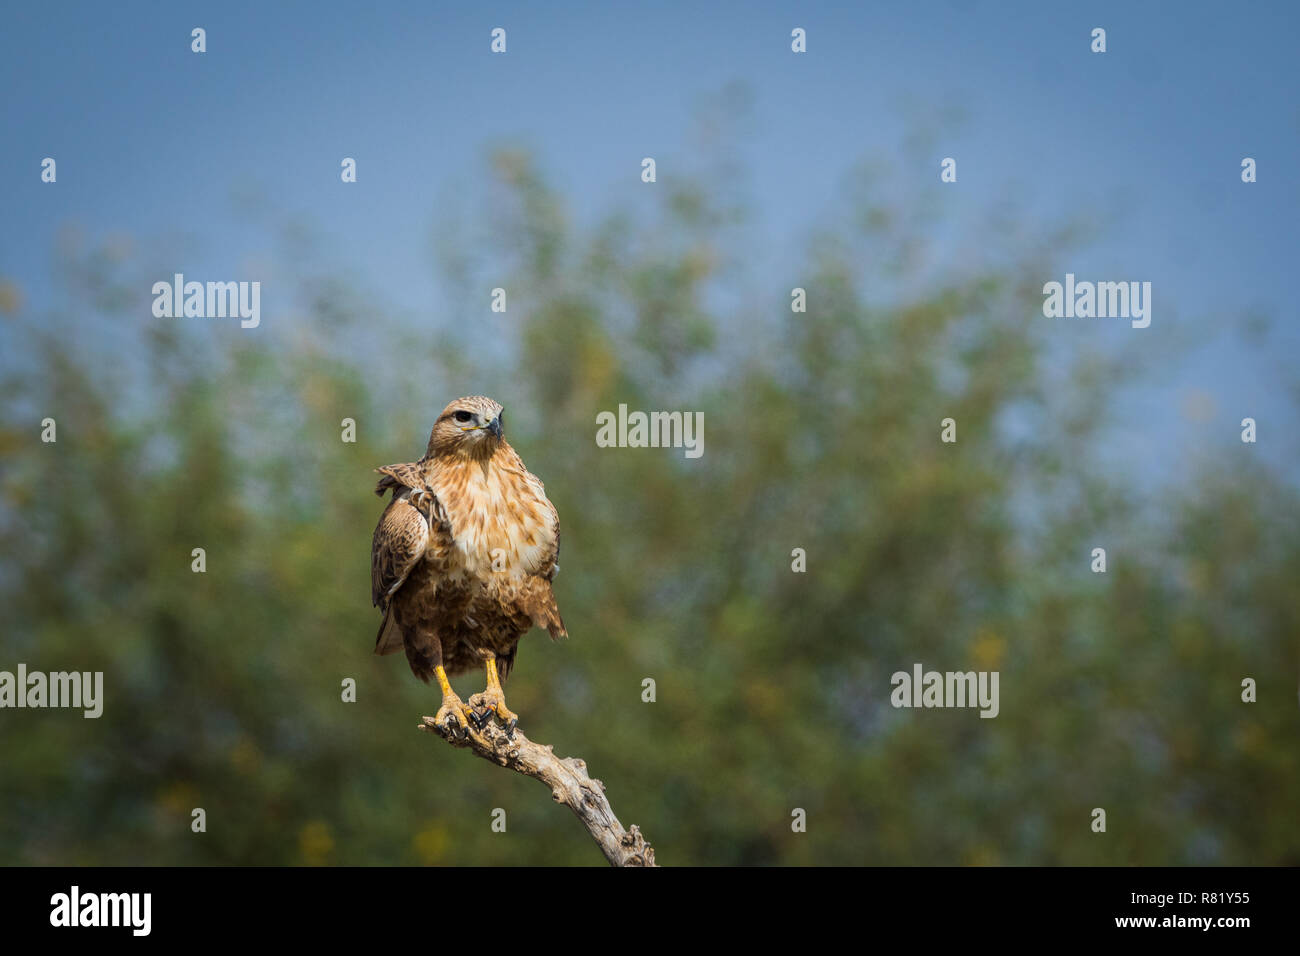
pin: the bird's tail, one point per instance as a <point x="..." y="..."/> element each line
<point x="389" y="638"/>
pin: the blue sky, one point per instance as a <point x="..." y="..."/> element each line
<point x="152" y="141"/>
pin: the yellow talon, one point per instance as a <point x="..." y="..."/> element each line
<point x="495" y="699"/>
<point x="452" y="706"/>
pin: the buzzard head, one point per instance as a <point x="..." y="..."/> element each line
<point x="470" y="426"/>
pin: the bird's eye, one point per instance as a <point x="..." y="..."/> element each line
<point x="462" y="416"/>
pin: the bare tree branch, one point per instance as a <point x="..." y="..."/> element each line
<point x="566" y="776"/>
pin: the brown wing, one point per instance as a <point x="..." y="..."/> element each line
<point x="551" y="566"/>
<point x="550" y="563"/>
<point x="413" y="527"/>
<point x="400" y="541"/>
<point x="537" y="599"/>
<point x="406" y="475"/>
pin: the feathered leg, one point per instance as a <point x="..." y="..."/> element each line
<point x="424" y="653"/>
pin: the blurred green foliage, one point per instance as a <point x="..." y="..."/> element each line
<point x="223" y="689"/>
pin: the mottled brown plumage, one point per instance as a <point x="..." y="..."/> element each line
<point x="464" y="556"/>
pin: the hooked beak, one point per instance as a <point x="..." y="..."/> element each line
<point x="494" y="426"/>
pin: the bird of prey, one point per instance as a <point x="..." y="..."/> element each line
<point x="463" y="559"/>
